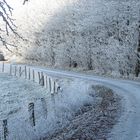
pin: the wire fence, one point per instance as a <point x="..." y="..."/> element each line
<point x="32" y="74"/>
<point x="35" y="75"/>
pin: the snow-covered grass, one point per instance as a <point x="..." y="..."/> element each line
<point x="16" y="94"/>
<point x="51" y="111"/>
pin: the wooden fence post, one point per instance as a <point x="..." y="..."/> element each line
<point x="49" y="84"/>
<point x="33" y="75"/>
<point x="20" y="71"/>
<point x="25" y="72"/>
<point x="42" y="79"/>
<point x="29" y="75"/>
<point x="46" y="83"/>
<point x="10" y="69"/>
<point x="15" y="70"/>
<point x="5" y="129"/>
<point x="39" y="77"/>
<point x="2" y="66"/>
<point x="52" y="86"/>
<point x="31" y="114"/>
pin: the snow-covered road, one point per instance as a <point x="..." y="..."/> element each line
<point x="128" y="126"/>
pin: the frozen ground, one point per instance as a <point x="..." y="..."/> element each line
<point x="15" y="95"/>
<point x="61" y="108"/>
<point x="92" y="121"/>
<point x="52" y="113"/>
<point x="128" y="127"/>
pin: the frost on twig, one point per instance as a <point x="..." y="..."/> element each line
<point x="25" y="1"/>
<point x="8" y="22"/>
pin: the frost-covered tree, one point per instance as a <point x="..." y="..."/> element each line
<point x="100" y="35"/>
<point x="7" y="23"/>
<point x="6" y="19"/>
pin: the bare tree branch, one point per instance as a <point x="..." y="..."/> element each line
<point x="6" y="17"/>
<point x="25" y="1"/>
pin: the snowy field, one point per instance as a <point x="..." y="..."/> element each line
<point x="16" y="95"/>
<point x="54" y="116"/>
<point x="61" y="116"/>
<point x="50" y="111"/>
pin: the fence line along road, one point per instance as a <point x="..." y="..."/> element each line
<point x="32" y="74"/>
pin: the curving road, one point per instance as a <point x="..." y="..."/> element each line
<point x="128" y="127"/>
